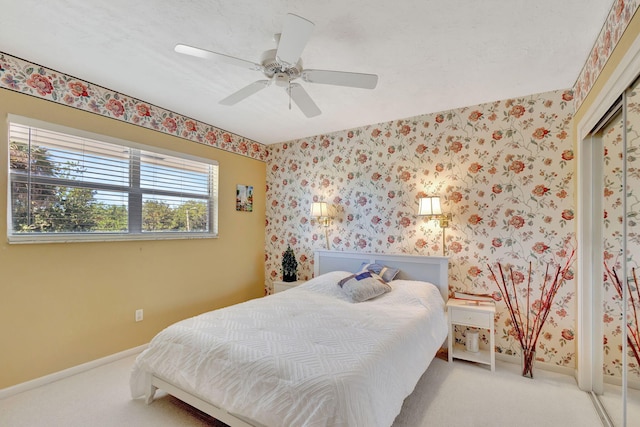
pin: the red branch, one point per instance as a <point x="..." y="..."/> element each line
<point x="529" y="332"/>
<point x="528" y="298"/>
<point x="633" y="336"/>
<point x="513" y="284"/>
<point x="503" y="289"/>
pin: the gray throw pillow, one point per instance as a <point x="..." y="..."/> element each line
<point x="363" y="286"/>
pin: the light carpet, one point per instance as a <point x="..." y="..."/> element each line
<point x="448" y="394"/>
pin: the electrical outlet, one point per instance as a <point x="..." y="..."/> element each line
<point x="139" y="315"/>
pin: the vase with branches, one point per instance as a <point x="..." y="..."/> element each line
<point x="528" y="317"/>
<point x="633" y="297"/>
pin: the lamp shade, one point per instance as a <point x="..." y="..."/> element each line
<point x="429" y="206"/>
<point x="319" y="209"/>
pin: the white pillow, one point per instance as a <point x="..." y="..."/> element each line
<point x="363" y="286"/>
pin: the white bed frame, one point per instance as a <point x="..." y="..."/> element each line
<point x="412" y="267"/>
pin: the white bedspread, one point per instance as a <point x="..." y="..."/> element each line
<point x="306" y="356"/>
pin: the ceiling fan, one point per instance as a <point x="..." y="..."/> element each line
<point x="282" y="66"/>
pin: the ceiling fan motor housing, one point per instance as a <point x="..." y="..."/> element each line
<point x="279" y="70"/>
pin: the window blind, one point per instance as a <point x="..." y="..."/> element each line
<point x="71" y="183"/>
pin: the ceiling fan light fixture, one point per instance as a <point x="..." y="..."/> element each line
<point x="281" y="79"/>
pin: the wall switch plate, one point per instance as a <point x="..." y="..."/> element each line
<point x="139" y="315"/>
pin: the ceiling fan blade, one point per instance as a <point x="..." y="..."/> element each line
<point x="245" y="92"/>
<point x="303" y="100"/>
<point x="340" y="78"/>
<point x="295" y="35"/>
<point x="207" y="54"/>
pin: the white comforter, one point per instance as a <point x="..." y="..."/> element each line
<point x="304" y="357"/>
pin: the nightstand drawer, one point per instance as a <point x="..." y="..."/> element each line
<point x="473" y="318"/>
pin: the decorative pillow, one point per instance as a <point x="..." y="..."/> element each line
<point x="386" y="273"/>
<point x="363" y="286"/>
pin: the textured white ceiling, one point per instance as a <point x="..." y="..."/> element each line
<point x="430" y="55"/>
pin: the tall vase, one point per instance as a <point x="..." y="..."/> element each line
<point x="528" y="359"/>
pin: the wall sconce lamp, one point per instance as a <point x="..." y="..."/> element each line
<point x="320" y="211"/>
<point x="430" y="207"/>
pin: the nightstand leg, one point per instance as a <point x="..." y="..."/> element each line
<point x="450" y="341"/>
<point x="492" y="347"/>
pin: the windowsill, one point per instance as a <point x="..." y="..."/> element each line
<point x="80" y="238"/>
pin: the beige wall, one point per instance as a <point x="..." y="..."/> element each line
<point x="66" y="304"/>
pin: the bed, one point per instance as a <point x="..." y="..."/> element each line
<point x="308" y="356"/>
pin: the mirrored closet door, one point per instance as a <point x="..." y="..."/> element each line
<point x="631" y="262"/>
<point x="618" y="298"/>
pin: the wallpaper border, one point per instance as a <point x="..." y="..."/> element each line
<point x="613" y="28"/>
<point x="31" y="79"/>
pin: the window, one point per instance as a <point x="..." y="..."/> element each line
<point x="70" y="185"/>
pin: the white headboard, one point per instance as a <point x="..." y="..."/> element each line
<point x="412" y="267"/>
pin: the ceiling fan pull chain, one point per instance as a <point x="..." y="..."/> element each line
<point x="289" y="94"/>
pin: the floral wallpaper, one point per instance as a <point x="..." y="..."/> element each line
<point x="21" y="76"/>
<point x="617" y="21"/>
<point x="505" y="170"/>
<point x="613" y="236"/>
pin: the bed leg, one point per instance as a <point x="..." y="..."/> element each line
<point x="151" y="389"/>
<point x="150" y="393"/>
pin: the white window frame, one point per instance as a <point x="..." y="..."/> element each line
<point x="135" y="218"/>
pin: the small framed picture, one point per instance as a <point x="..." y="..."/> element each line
<point x="244" y="198"/>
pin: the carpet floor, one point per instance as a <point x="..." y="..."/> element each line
<point x="447" y="395"/>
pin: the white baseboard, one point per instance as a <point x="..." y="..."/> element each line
<point x="631" y="383"/>
<point x="38" y="382"/>
<point x="538" y="365"/>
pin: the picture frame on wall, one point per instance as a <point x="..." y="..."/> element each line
<point x="244" y="198"/>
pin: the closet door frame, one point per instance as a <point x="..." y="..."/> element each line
<point x="589" y="208"/>
<point x="589" y="264"/>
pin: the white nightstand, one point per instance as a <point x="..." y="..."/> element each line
<point x="280" y="286"/>
<point x="461" y="312"/>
